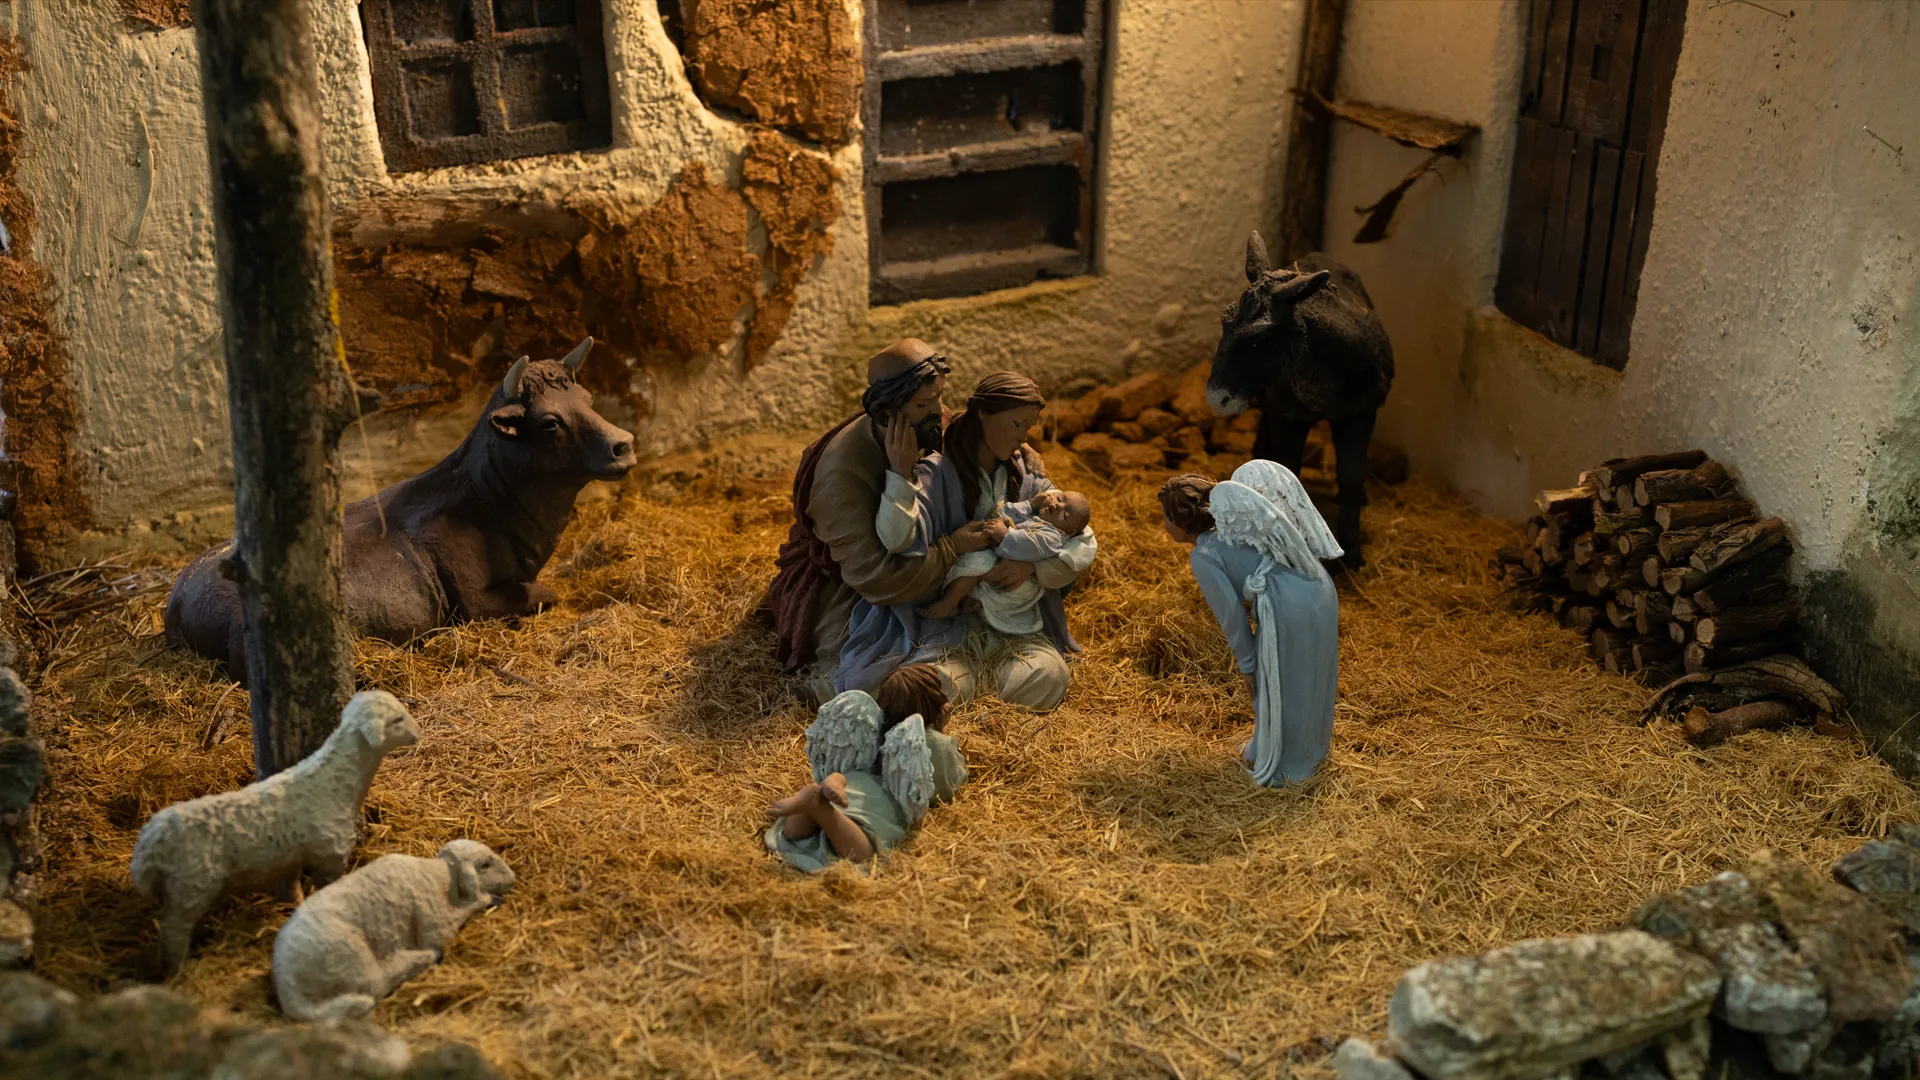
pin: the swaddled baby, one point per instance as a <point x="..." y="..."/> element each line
<point x="1037" y="530"/>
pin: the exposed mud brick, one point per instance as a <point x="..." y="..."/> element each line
<point x="791" y="63"/>
<point x="1095" y="451"/>
<point x="1139" y="456"/>
<point x="1094" y="409"/>
<point x="158" y="14"/>
<point x="1138" y="394"/>
<point x="1128" y="431"/>
<point x="43" y="474"/>
<point x="1190" y="395"/>
<point x="1539" y="1006"/>
<point x="1158" y="421"/>
<point x="441" y="296"/>
<point x="1061" y="422"/>
<point x="1188" y="438"/>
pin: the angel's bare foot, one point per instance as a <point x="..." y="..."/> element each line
<point x="834" y="789"/>
<point x="972" y="604"/>
<point x="800" y="801"/>
<point x="941" y="609"/>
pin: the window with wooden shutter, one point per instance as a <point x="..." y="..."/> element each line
<point x="460" y="81"/>
<point x="981" y="120"/>
<point x="1592" y="111"/>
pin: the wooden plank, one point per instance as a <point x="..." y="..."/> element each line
<point x="1547" y="290"/>
<point x="1663" y="57"/>
<point x="1593" y="276"/>
<point x="1539" y="13"/>
<point x="1553" y="89"/>
<point x="1573" y="243"/>
<point x="1616" y="313"/>
<point x="1591" y="26"/>
<point x="1526" y="221"/>
<point x="974" y="57"/>
<point x="1653" y="73"/>
<point x="1303" y="205"/>
<point x="1041" y="148"/>
<point x="1622" y="80"/>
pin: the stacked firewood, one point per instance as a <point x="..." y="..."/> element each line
<point x="1662" y="564"/>
<point x="1153" y="423"/>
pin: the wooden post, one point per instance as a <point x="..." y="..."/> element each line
<point x="1303" y="207"/>
<point x="287" y="384"/>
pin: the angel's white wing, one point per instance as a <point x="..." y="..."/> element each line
<point x="1279" y="486"/>
<point x="845" y="736"/>
<point x="906" y="767"/>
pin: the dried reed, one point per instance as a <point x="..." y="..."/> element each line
<point x="1109" y="896"/>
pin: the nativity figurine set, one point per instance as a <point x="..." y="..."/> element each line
<point x="926" y="564"/>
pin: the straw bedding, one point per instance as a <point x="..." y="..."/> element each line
<point x="1108" y="897"/>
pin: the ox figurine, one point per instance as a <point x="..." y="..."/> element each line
<point x="463" y="540"/>
<point x="1304" y="345"/>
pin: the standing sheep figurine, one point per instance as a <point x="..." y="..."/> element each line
<point x="355" y="941"/>
<point x="261" y="838"/>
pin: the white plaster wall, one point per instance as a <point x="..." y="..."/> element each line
<point x="115" y="162"/>
<point x="1775" y="322"/>
<point x="1195" y="112"/>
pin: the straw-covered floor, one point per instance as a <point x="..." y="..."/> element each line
<point x="1109" y="896"/>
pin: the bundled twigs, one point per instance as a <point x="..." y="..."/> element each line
<point x="60" y="596"/>
<point x="1662" y="564"/>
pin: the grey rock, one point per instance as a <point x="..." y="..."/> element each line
<point x="1769" y="988"/>
<point x="32" y="1010"/>
<point x="21" y="769"/>
<point x="1358" y="1059"/>
<point x="1538" y="1007"/>
<point x="1907" y="833"/>
<point x="349" y="1050"/>
<point x="1685" y="1049"/>
<point x="15" y="702"/>
<point x="1791" y="1054"/>
<point x="451" y="1061"/>
<point x="16" y="935"/>
<point x="1880" y="868"/>
<point x="1637" y="1064"/>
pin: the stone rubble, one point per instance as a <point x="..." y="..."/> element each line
<point x="149" y="1031"/>
<point x="1768" y="972"/>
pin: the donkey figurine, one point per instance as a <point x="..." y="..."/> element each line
<point x="1304" y="345"/>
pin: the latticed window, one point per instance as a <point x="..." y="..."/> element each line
<point x="459" y="81"/>
<point x="981" y="121"/>
<point x="1593" y="110"/>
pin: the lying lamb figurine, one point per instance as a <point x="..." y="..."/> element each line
<point x="355" y="941"/>
<point x="261" y="837"/>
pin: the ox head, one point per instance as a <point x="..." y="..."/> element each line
<point x="543" y="423"/>
<point x="1255" y="328"/>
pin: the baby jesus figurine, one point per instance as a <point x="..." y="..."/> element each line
<point x="1037" y="530"/>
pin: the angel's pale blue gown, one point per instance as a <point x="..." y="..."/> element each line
<point x="873" y="809"/>
<point x="1309" y="631"/>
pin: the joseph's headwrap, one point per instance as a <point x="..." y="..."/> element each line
<point x="895" y="374"/>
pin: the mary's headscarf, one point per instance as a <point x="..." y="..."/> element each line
<point x="1265" y="508"/>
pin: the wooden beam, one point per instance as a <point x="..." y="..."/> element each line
<point x="287" y="386"/>
<point x="1303" y="205"/>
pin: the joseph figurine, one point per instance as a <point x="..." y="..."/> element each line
<point x="833" y="555"/>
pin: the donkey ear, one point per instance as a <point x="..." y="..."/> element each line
<point x="1301" y="287"/>
<point x="507" y="419"/>
<point x="1257" y="262"/>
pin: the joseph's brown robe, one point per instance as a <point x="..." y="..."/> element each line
<point x="848" y="483"/>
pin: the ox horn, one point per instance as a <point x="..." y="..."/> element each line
<point x="578" y="356"/>
<point x="1257" y="262"/>
<point x="511" y="384"/>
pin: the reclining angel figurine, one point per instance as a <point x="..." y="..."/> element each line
<point x="879" y="762"/>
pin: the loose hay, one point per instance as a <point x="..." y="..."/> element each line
<point x="1109" y="896"/>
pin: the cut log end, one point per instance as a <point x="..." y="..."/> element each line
<point x="1703" y="728"/>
